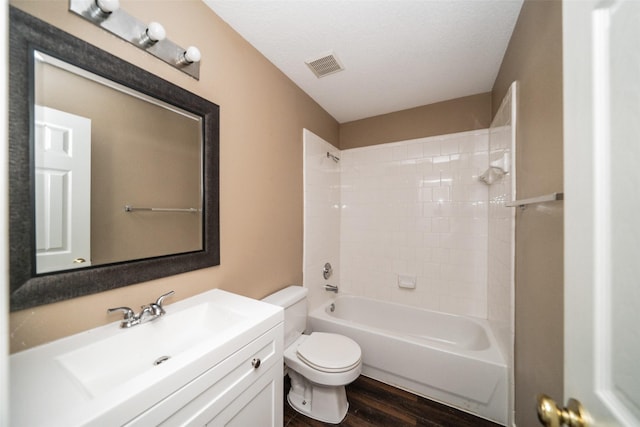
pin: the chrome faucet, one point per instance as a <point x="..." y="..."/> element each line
<point x="331" y="288"/>
<point x="148" y="313"/>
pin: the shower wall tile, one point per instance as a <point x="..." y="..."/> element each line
<point x="416" y="208"/>
<point x="501" y="248"/>
<point x="501" y="244"/>
<point x="322" y="201"/>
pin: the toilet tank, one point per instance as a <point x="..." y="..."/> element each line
<point x="294" y="301"/>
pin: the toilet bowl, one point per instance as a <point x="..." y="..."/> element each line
<point x="319" y="364"/>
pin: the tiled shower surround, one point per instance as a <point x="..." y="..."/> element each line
<point x="501" y="243"/>
<point x="321" y="217"/>
<point x="415" y="211"/>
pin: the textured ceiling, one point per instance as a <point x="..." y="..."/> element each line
<point x="397" y="54"/>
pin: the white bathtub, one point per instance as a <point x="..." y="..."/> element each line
<point x="452" y="359"/>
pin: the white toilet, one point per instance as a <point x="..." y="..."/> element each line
<point x="319" y="364"/>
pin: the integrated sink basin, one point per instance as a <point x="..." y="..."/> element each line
<point x="104" y="376"/>
<point x="106" y="363"/>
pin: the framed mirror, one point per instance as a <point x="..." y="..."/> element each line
<point x="114" y="172"/>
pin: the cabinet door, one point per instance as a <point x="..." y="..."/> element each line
<point x="261" y="404"/>
<point x="228" y="387"/>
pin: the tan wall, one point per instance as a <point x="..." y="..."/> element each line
<point x="534" y="58"/>
<point x="456" y="115"/>
<point x="262" y="117"/>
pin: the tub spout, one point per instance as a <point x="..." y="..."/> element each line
<point x="331" y="288"/>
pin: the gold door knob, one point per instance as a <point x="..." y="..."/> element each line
<point x="551" y="415"/>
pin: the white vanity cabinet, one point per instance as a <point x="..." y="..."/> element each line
<point x="245" y="389"/>
<point x="215" y="359"/>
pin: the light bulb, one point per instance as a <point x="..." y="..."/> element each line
<point x="153" y="34"/>
<point x="99" y="10"/>
<point x="191" y="55"/>
<point x="108" y="6"/>
<point x="156" y="32"/>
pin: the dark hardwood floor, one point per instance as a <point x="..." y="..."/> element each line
<point x="374" y="404"/>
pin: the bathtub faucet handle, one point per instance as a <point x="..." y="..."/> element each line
<point x="331" y="288"/>
<point x="327" y="271"/>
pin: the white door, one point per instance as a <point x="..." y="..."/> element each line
<point x="63" y="190"/>
<point x="602" y="208"/>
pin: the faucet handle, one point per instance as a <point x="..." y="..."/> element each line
<point x="128" y="313"/>
<point x="161" y="298"/>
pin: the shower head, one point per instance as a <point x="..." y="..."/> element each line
<point x="333" y="157"/>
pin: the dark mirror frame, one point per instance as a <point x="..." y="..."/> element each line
<point x="29" y="289"/>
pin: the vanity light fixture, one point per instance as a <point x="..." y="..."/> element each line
<point x="108" y="15"/>
<point x="152" y="34"/>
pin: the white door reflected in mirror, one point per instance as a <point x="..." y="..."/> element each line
<point x="63" y="190"/>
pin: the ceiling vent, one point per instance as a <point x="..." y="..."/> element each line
<point x="325" y="65"/>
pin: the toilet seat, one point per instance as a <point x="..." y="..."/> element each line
<point x="329" y="353"/>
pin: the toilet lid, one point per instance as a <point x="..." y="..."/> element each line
<point x="329" y="352"/>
